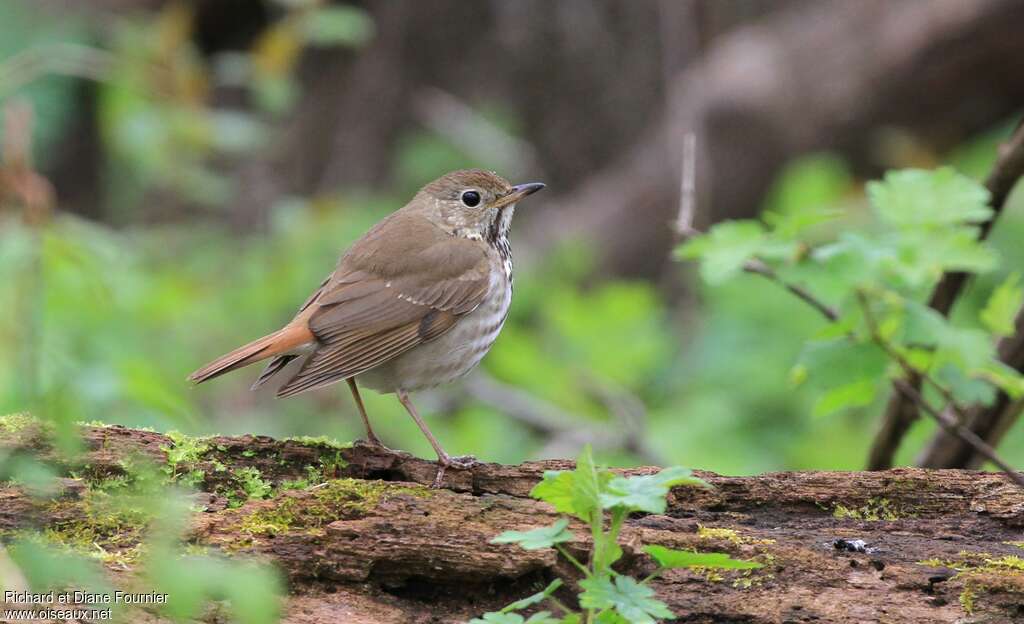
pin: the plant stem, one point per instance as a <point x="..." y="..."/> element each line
<point x="573" y="560"/>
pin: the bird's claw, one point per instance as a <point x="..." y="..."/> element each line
<point x="375" y="442"/>
<point x="463" y="462"/>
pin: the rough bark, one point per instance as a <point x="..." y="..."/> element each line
<point x="373" y="544"/>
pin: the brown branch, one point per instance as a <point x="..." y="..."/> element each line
<point x="990" y="422"/>
<point x="760" y="268"/>
<point x="900" y="413"/>
<point x="953" y="425"/>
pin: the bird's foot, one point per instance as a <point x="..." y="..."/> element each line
<point x="374" y="441"/>
<point x="462" y="462"/>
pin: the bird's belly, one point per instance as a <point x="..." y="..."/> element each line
<point x="448" y="357"/>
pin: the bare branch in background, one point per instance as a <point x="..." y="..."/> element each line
<point x="66" y="59"/>
<point x="953" y="425"/>
<point x="480" y="137"/>
<point x="567" y="432"/>
<point x="900" y="413"/>
<point x="22" y="188"/>
<point x="687" y="187"/>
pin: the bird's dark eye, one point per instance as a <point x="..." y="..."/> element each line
<point x="471" y="198"/>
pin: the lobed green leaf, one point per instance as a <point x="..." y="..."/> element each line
<point x="669" y="558"/>
<point x="543" y="537"/>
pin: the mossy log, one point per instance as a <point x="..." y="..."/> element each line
<point x="362" y="539"/>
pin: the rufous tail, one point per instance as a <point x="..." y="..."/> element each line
<point x="281" y="341"/>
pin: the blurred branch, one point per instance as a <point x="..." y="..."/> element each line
<point x="989" y="422"/>
<point x="794" y="82"/>
<point x="22" y="187"/>
<point x="900" y="413"/>
<point x="953" y="425"/>
<point x="66" y="59"/>
<point x="566" y="432"/>
<point x="687" y="188"/>
<point x="484" y="140"/>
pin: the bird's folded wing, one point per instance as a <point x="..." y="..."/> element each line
<point x="367" y="315"/>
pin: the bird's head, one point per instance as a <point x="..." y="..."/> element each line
<point x="474" y="203"/>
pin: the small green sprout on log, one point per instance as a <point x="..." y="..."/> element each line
<point x="603" y="501"/>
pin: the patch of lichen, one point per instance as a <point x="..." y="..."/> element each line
<point x="311" y="509"/>
<point x="875" y="510"/>
<point x="732" y="536"/>
<point x="724" y="538"/>
<point x="981" y="574"/>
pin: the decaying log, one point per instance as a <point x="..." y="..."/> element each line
<point x="371" y="543"/>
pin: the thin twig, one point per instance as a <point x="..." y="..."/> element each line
<point x="687" y="188"/>
<point x="953" y="425"/>
<point x="760" y="268"/>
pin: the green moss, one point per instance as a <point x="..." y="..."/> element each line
<point x="12" y="424"/>
<point x="323" y="441"/>
<point x="251" y="486"/>
<point x="875" y="510"/>
<point x="101" y="527"/>
<point x="185" y="450"/>
<point x="338" y="498"/>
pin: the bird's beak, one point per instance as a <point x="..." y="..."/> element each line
<point x="518" y="192"/>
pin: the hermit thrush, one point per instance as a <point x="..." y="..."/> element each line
<point x="416" y="302"/>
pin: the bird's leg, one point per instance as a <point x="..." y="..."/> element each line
<point x="444" y="460"/>
<point x="371" y="437"/>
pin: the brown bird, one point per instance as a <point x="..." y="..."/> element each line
<point x="416" y="302"/>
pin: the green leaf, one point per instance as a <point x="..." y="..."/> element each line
<point x="587" y="486"/>
<point x="724" y="249"/>
<point x="501" y="617"/>
<point x="573" y="492"/>
<point x="916" y="197"/>
<point x="647" y="492"/>
<point x="556" y="489"/>
<point x="1004" y="377"/>
<point x="669" y="558"/>
<point x="1000" y="313"/>
<point x="495" y="617"/>
<point x="635" y="602"/>
<point x="543" y="537"/>
<point x="535" y="598"/>
<point x="804" y="192"/>
<point x="847" y="372"/>
<point x="542" y="617"/>
<point x="337" y="25"/>
<point x="859" y="393"/>
<point x="254" y="592"/>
